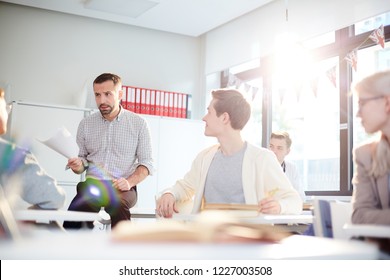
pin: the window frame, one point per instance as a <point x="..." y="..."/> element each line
<point x="344" y="42"/>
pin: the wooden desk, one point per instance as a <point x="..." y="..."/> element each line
<point x="280" y="219"/>
<point x="261" y="219"/>
<point x="46" y="216"/>
<point x="143" y="213"/>
<point x="365" y="230"/>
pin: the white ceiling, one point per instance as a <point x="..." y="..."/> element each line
<point x="186" y="17"/>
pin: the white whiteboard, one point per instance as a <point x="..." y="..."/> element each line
<point x="148" y="188"/>
<point x="181" y="141"/>
<point x="175" y="142"/>
<point x="30" y="122"/>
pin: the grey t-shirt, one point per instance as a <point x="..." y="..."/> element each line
<point x="224" y="178"/>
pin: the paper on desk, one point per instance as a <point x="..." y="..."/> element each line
<point x="63" y="143"/>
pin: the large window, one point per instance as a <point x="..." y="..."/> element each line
<point x="306" y="91"/>
<point x="370" y="60"/>
<point x="253" y="89"/>
<point x="252" y="130"/>
<point x="308" y="108"/>
<point x="371" y="23"/>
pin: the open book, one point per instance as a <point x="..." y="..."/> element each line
<point x="235" y="209"/>
<point x="208" y="226"/>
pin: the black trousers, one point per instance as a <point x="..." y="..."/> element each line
<point x="92" y="194"/>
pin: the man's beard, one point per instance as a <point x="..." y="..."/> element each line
<point x="107" y="111"/>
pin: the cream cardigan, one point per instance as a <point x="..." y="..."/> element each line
<point x="261" y="172"/>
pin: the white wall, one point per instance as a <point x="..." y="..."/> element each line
<point x="253" y="35"/>
<point x="47" y="57"/>
<point x="175" y="143"/>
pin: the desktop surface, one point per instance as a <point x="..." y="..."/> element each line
<point x="87" y="245"/>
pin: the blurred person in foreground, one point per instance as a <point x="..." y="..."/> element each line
<point x="20" y="169"/>
<point x="371" y="195"/>
<point x="371" y="180"/>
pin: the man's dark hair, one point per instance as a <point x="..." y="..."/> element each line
<point x="108" y="77"/>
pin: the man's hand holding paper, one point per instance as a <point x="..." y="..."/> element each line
<point x="76" y="165"/>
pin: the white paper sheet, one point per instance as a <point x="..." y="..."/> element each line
<point x="63" y="143"/>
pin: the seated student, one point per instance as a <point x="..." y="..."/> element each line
<point x="371" y="195"/>
<point x="280" y="144"/>
<point x="20" y="166"/>
<point x="233" y="171"/>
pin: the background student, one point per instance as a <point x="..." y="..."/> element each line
<point x="280" y="143"/>
<point x="233" y="171"/>
<point x="20" y="171"/>
<point x="371" y="181"/>
<point x="115" y="151"/>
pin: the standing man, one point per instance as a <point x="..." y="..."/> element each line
<point x="115" y="151"/>
<point x="280" y="144"/>
<point x="232" y="171"/>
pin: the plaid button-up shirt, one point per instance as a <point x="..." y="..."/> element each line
<point x="115" y="149"/>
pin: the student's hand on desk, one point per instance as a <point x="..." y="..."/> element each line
<point x="166" y="205"/>
<point x="269" y="206"/>
<point x="121" y="184"/>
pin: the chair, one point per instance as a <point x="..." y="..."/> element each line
<point x="341" y="213"/>
<point x="330" y="218"/>
<point x="322" y="221"/>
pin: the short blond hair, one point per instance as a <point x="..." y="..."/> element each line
<point x="282" y="135"/>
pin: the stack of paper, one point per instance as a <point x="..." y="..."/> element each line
<point x="238" y="210"/>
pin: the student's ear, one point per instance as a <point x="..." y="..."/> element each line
<point x="120" y="94"/>
<point x="288" y="151"/>
<point x="225" y="117"/>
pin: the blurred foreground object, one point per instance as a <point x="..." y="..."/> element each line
<point x="209" y="226"/>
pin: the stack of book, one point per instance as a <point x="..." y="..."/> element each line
<point x="307" y="206"/>
<point x="208" y="226"/>
<point x="155" y="102"/>
<point x="235" y="209"/>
